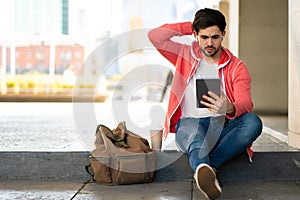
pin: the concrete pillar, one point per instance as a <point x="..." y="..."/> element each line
<point x="294" y="74"/>
<point x="224" y="8"/>
<point x="230" y="8"/>
<point x="52" y="56"/>
<point x="12" y="58"/>
<point x="3" y="69"/>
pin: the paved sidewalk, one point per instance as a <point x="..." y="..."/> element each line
<point x="182" y="190"/>
<point x="173" y="190"/>
<point x="161" y="190"/>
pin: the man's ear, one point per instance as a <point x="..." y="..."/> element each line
<point x="224" y="33"/>
<point x="195" y="34"/>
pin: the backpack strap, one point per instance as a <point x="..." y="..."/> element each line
<point x="89" y="170"/>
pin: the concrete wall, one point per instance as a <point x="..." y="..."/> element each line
<point x="263" y="45"/>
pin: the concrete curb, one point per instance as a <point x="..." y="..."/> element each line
<point x="265" y="166"/>
<point x="70" y="165"/>
<point x="44" y="165"/>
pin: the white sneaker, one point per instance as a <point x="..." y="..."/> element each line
<point x="207" y="182"/>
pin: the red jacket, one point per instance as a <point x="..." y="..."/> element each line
<point x="233" y="72"/>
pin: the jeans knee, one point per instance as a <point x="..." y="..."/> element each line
<point x="254" y="122"/>
<point x="257" y="123"/>
<point x="250" y="127"/>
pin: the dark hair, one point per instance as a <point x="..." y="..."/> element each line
<point x="207" y="17"/>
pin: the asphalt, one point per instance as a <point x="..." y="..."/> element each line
<point x="282" y="185"/>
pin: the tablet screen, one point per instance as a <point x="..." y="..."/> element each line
<point x="202" y="88"/>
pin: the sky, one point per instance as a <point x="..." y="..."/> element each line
<point x="95" y="17"/>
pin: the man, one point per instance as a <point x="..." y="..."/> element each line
<point x="207" y="140"/>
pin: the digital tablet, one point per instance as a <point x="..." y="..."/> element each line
<point x="202" y="88"/>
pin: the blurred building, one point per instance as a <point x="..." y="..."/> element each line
<point x="41" y="16"/>
<point x="36" y="57"/>
<point x="37" y="29"/>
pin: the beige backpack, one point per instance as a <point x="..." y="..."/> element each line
<point x="121" y="157"/>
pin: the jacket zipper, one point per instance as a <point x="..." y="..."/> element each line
<point x="181" y="96"/>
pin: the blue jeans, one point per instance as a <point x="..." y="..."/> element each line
<point x="214" y="140"/>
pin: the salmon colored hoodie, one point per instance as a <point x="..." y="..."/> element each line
<point x="233" y="73"/>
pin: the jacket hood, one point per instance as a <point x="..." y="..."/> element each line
<point x="226" y="55"/>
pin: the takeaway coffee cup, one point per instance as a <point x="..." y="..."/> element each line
<point x="156" y="139"/>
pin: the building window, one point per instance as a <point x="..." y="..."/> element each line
<point x="66" y="55"/>
<point x="39" y="55"/>
<point x="77" y="54"/>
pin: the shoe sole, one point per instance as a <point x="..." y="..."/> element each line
<point x="207" y="182"/>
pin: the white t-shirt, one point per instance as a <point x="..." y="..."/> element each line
<point x="189" y="108"/>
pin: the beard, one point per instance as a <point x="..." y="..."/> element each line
<point x="210" y="51"/>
